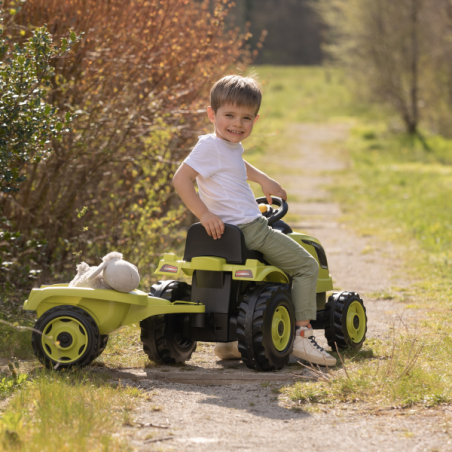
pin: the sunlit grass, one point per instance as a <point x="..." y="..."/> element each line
<point x="124" y="349"/>
<point x="66" y="412"/>
<point x="410" y="368"/>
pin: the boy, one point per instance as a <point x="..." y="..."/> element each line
<point x="217" y="164"/>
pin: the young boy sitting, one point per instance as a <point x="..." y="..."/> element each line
<point x="217" y="164"/>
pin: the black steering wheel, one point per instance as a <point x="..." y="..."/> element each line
<point x="271" y="214"/>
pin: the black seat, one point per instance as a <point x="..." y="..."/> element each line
<point x="231" y="246"/>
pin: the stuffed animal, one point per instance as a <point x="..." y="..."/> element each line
<point x="82" y="279"/>
<point x="114" y="273"/>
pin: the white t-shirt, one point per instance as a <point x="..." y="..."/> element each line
<point x="222" y="179"/>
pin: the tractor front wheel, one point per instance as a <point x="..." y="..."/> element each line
<point x="345" y="321"/>
<point x="266" y="327"/>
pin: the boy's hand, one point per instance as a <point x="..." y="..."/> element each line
<point x="213" y="224"/>
<point x="271" y="187"/>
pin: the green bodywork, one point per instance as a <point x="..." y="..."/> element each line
<point x="109" y="308"/>
<point x="259" y="271"/>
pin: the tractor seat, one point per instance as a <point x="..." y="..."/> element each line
<point x="231" y="246"/>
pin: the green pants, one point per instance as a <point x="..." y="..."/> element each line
<point x="283" y="252"/>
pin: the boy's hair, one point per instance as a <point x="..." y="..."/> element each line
<point x="238" y="90"/>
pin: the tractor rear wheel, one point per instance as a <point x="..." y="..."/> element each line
<point x="345" y="321"/>
<point x="266" y="327"/>
<point x="70" y="338"/>
<point x="162" y="335"/>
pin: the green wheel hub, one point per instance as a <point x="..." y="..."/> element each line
<point x="281" y="328"/>
<point x="356" y="322"/>
<point x="66" y="339"/>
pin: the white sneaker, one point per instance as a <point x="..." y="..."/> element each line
<point x="305" y="347"/>
<point x="227" y="350"/>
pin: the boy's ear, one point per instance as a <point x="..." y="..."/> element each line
<point x="255" y="119"/>
<point x="210" y="114"/>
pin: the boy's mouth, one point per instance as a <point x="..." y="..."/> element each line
<point x="235" y="132"/>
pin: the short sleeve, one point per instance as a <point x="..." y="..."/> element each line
<point x="204" y="158"/>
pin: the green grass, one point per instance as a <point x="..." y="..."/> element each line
<point x="66" y="412"/>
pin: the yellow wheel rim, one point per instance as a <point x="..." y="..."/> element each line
<point x="66" y="339"/>
<point x="281" y="328"/>
<point x="356" y="322"/>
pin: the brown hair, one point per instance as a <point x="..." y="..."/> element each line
<point x="238" y="90"/>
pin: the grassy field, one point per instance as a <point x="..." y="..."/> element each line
<point x="397" y="190"/>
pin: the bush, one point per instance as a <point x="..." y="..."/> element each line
<point x="137" y="85"/>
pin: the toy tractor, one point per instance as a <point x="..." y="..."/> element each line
<point x="235" y="295"/>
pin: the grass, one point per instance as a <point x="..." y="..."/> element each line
<point x="124" y="349"/>
<point x="67" y="412"/>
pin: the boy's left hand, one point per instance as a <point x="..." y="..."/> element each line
<point x="271" y="187"/>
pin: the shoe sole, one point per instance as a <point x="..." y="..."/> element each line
<point x="320" y="361"/>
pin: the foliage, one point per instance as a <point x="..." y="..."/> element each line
<point x="27" y="122"/>
<point x="15" y="343"/>
<point x="9" y="384"/>
<point x="137" y="86"/>
<point x="398" y="53"/>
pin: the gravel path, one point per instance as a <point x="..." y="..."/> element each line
<point x="195" y="408"/>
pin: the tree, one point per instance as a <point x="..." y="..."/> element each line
<point x="398" y="52"/>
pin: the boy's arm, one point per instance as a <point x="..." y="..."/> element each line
<point x="183" y="183"/>
<point x="269" y="186"/>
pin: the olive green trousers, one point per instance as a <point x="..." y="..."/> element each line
<point x="286" y="254"/>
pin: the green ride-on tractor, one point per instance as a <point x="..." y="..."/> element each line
<point x="235" y="295"/>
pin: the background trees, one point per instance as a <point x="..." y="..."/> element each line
<point x="399" y="53"/>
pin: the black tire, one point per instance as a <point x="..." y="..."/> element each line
<point x="74" y="327"/>
<point x="351" y="334"/>
<point x="171" y="290"/>
<point x="103" y="340"/>
<point x="254" y="327"/>
<point x="161" y="335"/>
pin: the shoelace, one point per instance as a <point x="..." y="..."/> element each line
<point x="314" y="343"/>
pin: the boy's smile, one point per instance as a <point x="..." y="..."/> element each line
<point x="233" y="123"/>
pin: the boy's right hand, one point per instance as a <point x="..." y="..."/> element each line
<point x="213" y="224"/>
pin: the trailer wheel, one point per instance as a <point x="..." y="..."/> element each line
<point x="70" y="338"/>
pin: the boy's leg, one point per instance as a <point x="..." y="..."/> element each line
<point x="284" y="253"/>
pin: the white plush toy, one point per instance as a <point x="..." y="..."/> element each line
<point x="113" y="273"/>
<point x="82" y="279"/>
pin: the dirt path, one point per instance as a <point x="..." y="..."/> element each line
<point x="205" y="413"/>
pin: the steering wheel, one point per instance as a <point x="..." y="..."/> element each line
<point x="271" y="214"/>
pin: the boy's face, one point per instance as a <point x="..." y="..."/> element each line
<point x="233" y="123"/>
